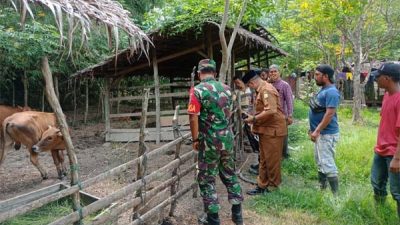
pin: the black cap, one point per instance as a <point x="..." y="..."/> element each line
<point x="249" y="76"/>
<point x="326" y="69"/>
<point x="388" y="69"/>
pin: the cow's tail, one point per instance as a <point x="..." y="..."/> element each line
<point x="5" y="139"/>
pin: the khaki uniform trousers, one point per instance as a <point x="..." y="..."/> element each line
<point x="270" y="161"/>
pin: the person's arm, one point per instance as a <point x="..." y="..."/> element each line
<point x="194" y="129"/>
<point x="330" y="112"/>
<point x="270" y="108"/>
<point x="289" y="103"/>
<point x="395" y="163"/>
<point x="194" y="107"/>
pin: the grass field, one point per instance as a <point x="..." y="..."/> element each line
<point x="299" y="196"/>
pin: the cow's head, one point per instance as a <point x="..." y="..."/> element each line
<point x="51" y="139"/>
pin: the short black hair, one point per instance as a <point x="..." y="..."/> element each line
<point x="237" y="77"/>
<point x="265" y="70"/>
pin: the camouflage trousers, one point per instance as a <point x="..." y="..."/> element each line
<point x="215" y="157"/>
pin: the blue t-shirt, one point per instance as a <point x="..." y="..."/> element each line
<point x="328" y="97"/>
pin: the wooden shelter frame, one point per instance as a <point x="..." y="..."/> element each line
<point x="175" y="55"/>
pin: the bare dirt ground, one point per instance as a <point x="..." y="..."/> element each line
<point x="18" y="176"/>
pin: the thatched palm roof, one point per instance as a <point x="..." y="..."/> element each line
<point x="81" y="12"/>
<point x="178" y="53"/>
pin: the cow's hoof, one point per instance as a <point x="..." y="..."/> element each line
<point x="45" y="177"/>
<point x="61" y="177"/>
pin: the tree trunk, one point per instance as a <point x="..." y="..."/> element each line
<point x="55" y="104"/>
<point x="25" y="82"/>
<point x="226" y="49"/>
<point x="43" y="97"/>
<point x="356" y="76"/>
<point x="56" y="86"/>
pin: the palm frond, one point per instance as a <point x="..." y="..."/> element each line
<point x="81" y="12"/>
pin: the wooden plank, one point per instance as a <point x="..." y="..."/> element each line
<point x="12" y="203"/>
<point x="125" y="135"/>
<point x="162" y="113"/>
<point x="166" y="121"/>
<point x="166" y="95"/>
<point x="174" y="84"/>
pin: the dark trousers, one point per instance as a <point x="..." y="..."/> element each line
<point x="253" y="141"/>
<point x="285" y="150"/>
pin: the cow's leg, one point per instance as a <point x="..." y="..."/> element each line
<point x="35" y="162"/>
<point x="54" y="154"/>
<point x="61" y="158"/>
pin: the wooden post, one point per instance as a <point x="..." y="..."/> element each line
<point x="119" y="95"/>
<point x="267" y="58"/>
<point x="239" y="124"/>
<point x="248" y="59"/>
<point x="142" y="164"/>
<point x="74" y="119"/>
<point x="258" y="58"/>
<point x="233" y="58"/>
<point x="157" y="95"/>
<point x="175" y="125"/>
<point x="106" y="104"/>
<point x="86" y="101"/>
<point x="55" y="104"/>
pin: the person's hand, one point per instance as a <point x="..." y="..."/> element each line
<point x="314" y="135"/>
<point x="289" y="120"/>
<point x="395" y="165"/>
<point x="249" y="119"/>
<point x="195" y="145"/>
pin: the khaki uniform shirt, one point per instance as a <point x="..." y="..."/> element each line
<point x="273" y="123"/>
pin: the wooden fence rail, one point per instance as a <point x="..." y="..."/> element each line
<point x="171" y="169"/>
<point x="87" y="183"/>
<point x="125" y="191"/>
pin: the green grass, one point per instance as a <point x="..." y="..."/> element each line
<point x="47" y="214"/>
<point x="299" y="191"/>
<point x="43" y="215"/>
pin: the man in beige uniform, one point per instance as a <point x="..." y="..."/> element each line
<point x="270" y="124"/>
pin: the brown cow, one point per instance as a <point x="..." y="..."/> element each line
<point x="27" y="128"/>
<point x="6" y="111"/>
<point x="53" y="140"/>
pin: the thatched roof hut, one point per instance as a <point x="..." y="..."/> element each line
<point x="174" y="55"/>
<point x="177" y="53"/>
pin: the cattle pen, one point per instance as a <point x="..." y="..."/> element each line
<point x="134" y="197"/>
<point x="174" y="57"/>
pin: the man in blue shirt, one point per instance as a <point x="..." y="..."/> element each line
<point x="324" y="128"/>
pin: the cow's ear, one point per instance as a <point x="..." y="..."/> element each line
<point x="59" y="133"/>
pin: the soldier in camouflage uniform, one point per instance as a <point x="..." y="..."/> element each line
<point x="210" y="109"/>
